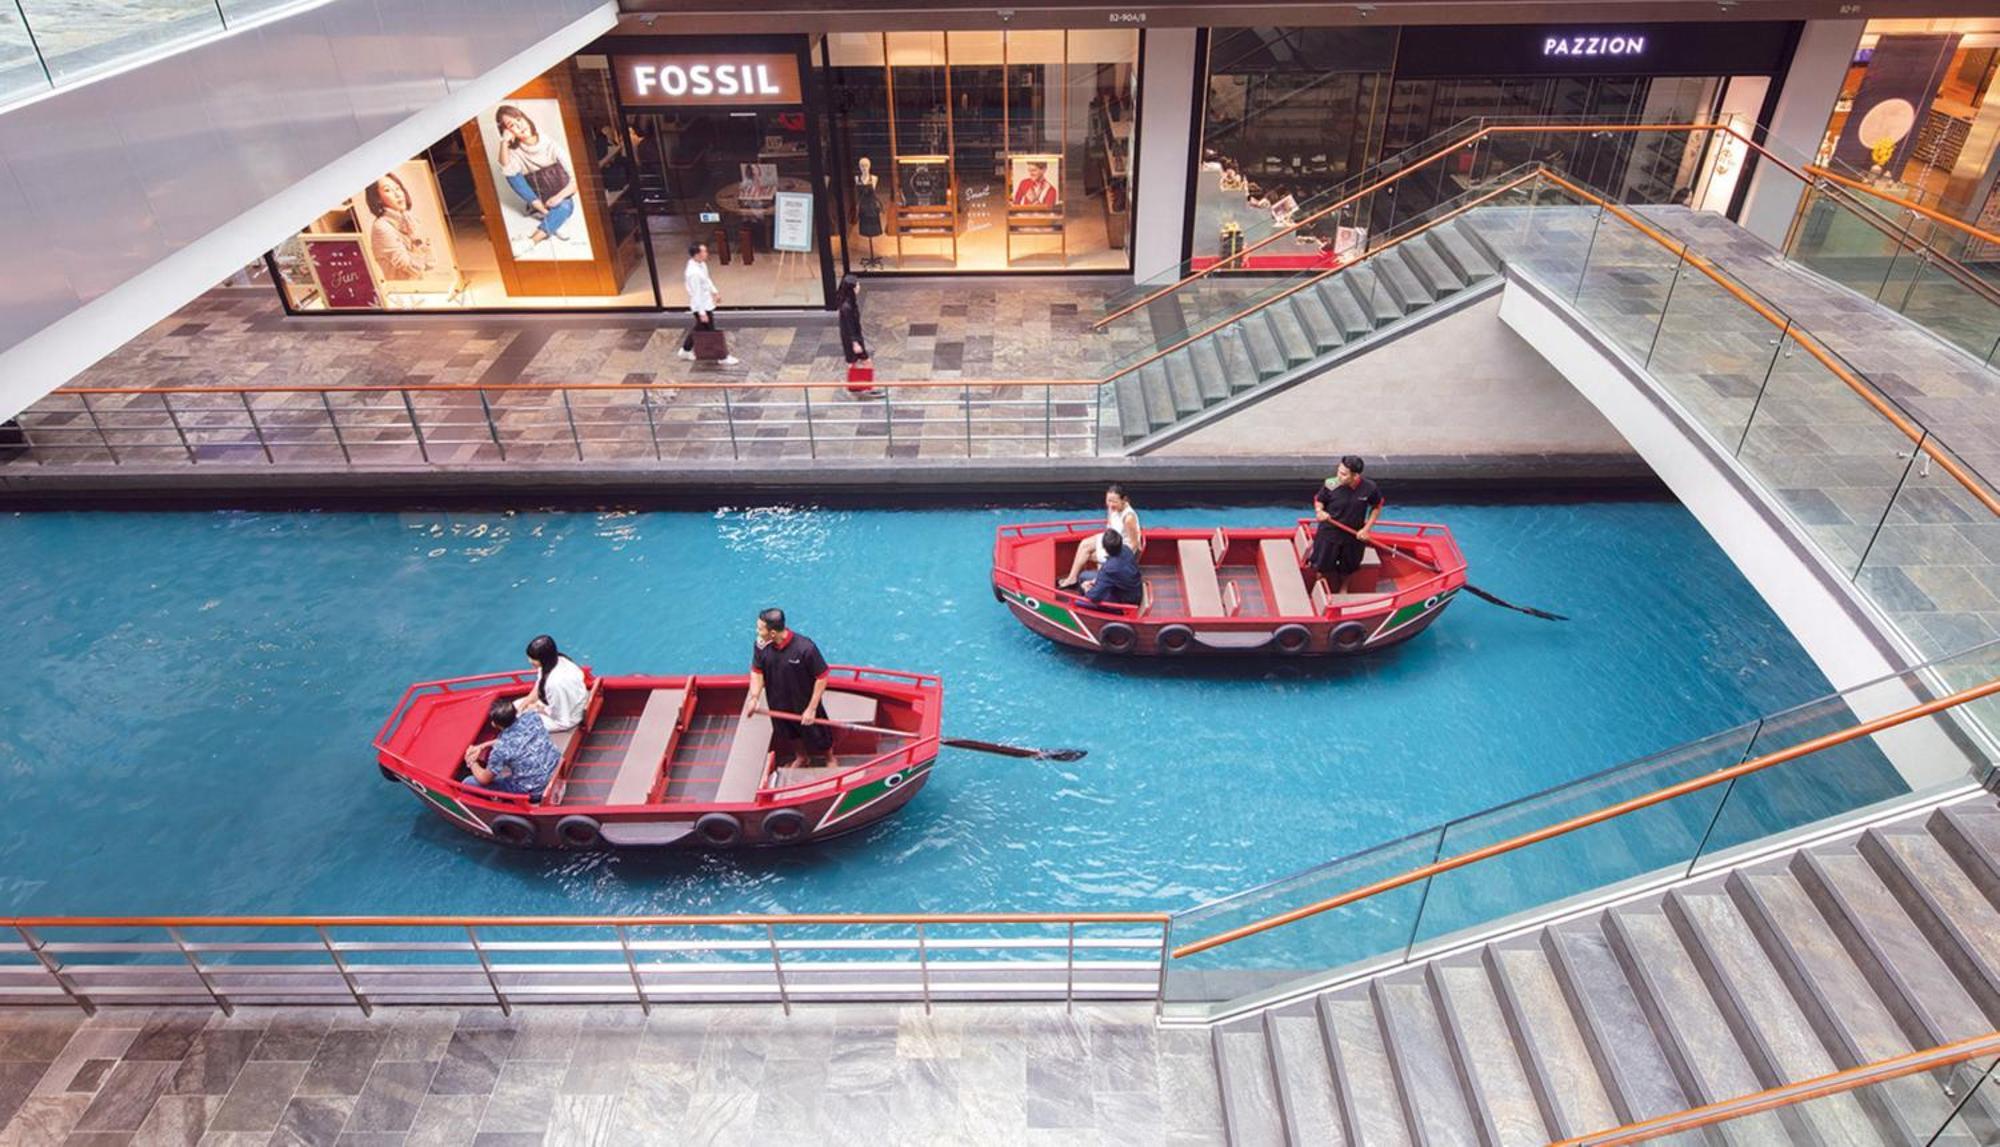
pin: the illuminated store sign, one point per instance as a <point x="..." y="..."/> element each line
<point x="1594" y="46"/>
<point x="682" y="80"/>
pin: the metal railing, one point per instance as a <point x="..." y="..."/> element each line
<point x="517" y="424"/>
<point x="1960" y="1070"/>
<point x="504" y="961"/>
<point x="45" y="44"/>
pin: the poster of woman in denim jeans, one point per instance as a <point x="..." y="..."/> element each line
<point x="525" y="151"/>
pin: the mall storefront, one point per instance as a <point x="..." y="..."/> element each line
<point x="794" y="158"/>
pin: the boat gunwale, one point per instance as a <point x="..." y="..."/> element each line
<point x="920" y="751"/>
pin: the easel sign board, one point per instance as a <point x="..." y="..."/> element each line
<point x="343" y="271"/>
<point x="793" y="228"/>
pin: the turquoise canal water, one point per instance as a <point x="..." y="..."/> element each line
<point x="191" y="699"/>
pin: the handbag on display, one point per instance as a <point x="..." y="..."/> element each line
<point x="710" y="346"/>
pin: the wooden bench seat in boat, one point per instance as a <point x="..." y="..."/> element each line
<point x="648" y="748"/>
<point x="1323" y="601"/>
<point x="853" y="708"/>
<point x="1204" y="592"/>
<point x="748" y="750"/>
<point x="1288" y="585"/>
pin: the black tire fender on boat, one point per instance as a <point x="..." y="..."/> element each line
<point x="719" y="828"/>
<point x="579" y="831"/>
<point x="1117" y="637"/>
<point x="997" y="595"/>
<point x="1349" y="637"/>
<point x="1176" y="639"/>
<point x="1292" y="638"/>
<point x="389" y="774"/>
<point x="512" y="831"/>
<point x="785" y="825"/>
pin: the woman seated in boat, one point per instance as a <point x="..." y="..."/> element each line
<point x="1119" y="517"/>
<point x="560" y="695"/>
<point x="1117" y="578"/>
<point x="521" y="759"/>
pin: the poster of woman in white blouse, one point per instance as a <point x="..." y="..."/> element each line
<point x="408" y="235"/>
<point x="528" y="159"/>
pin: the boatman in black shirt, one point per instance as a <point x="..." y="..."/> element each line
<point x="1346" y="499"/>
<point x="788" y="670"/>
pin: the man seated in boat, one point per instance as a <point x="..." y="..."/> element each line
<point x="560" y="694"/>
<point x="1119" y="516"/>
<point x="521" y="759"/>
<point x="788" y="671"/>
<point x="1346" y="506"/>
<point x="1117" y="579"/>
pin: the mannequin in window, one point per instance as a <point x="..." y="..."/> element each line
<point x="868" y="207"/>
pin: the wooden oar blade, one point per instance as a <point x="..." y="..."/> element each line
<point x="1503" y="603"/>
<point x="1015" y="750"/>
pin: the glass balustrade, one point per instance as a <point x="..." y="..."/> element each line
<point x="46" y="44"/>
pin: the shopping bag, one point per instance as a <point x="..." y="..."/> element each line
<point x="710" y="346"/>
<point x="860" y="376"/>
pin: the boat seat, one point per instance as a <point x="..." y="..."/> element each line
<point x="748" y="750"/>
<point x="1204" y="592"/>
<point x="1218" y="545"/>
<point x="648" y="747"/>
<point x="1232" y="600"/>
<point x="1288" y="586"/>
<point x="852" y="708"/>
<point x="1302" y="542"/>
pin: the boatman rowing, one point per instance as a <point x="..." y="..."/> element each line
<point x="1346" y="499"/>
<point x="788" y="669"/>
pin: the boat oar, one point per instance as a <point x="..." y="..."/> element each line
<point x="955" y="742"/>
<point x="1474" y="590"/>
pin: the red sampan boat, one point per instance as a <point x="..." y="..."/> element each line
<point x="1231" y="590"/>
<point x="670" y="760"/>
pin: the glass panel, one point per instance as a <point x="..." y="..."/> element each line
<point x="1951" y="299"/>
<point x="1852" y="249"/>
<point x="1101" y="107"/>
<point x="1623" y="289"/>
<point x="21" y="69"/>
<point x="1832" y="458"/>
<point x="1713" y="363"/>
<point x="1934" y="566"/>
<point x="1377" y="926"/>
<point x="1978" y="1118"/>
<point x="76" y="36"/>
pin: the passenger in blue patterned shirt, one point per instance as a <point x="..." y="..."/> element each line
<point x="521" y="759"/>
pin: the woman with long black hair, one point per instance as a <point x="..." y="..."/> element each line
<point x="560" y="694"/>
<point x="853" y="345"/>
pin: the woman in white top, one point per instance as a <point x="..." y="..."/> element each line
<point x="1118" y="515"/>
<point x="560" y="694"/>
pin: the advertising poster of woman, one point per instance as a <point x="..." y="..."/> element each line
<point x="1036" y="180"/>
<point x="532" y="170"/>
<point x="403" y="217"/>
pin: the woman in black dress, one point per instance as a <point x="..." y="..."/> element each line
<point x="847" y="301"/>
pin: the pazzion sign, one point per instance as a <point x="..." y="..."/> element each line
<point x="1593" y="46"/>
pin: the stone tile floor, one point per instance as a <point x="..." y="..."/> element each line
<point x="833" y="1074"/>
<point x="1915" y="540"/>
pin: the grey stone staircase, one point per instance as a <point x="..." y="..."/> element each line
<point x="1846" y="953"/>
<point x="1304" y="331"/>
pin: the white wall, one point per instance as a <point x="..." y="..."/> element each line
<point x="133" y="193"/>
<point x="1167" y="94"/>
<point x="1805" y="103"/>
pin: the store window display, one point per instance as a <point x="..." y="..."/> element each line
<point x="984" y="151"/>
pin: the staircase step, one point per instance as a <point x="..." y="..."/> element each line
<point x="1181" y="386"/>
<point x="1375" y="299"/>
<point x="1374" y="1107"/>
<point x="1431" y="266"/>
<point x="1421" y="1057"/>
<point x="1971" y="833"/>
<point x="1322" y="328"/>
<point x="1133" y="424"/>
<point x="1614" y="1025"/>
<point x="1249" y="1091"/>
<point x="1394" y="266"/>
<point x="1292" y="338"/>
<point x="1462" y="251"/>
<point x="1159" y="400"/>
<point x="1265" y="354"/>
<point x="1209" y="373"/>
<point x="1706" y="1057"/>
<point x="1338" y="298"/>
<point x="1239" y="370"/>
<point x="1305" y="1078"/>
<point x="1569" y="1090"/>
<point x="1911" y="978"/>
<point x="1488" y="1057"/>
<point x="1960" y="922"/>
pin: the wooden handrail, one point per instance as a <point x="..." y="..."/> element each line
<point x="632" y="921"/>
<point x="1832" y="1083"/>
<point x="1907" y="204"/>
<point x="573" y="387"/>
<point x="1609" y="812"/>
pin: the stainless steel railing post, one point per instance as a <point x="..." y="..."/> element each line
<point x="255" y="427"/>
<point x="200" y="974"/>
<point x="1069" y="971"/>
<point x="812" y="442"/>
<point x="346" y="974"/>
<point x="423" y="451"/>
<point x="54" y="968"/>
<point x="1048" y="420"/>
<point x="491" y="429"/>
<point x="778" y="968"/>
<point x="485" y="965"/>
<point x="924" y="968"/>
<point x="632" y="965"/>
<point x="652" y="426"/>
<point x="1160" y="989"/>
<point x="166" y="400"/>
<point x="966" y="391"/>
<point x="729" y="418"/>
<point x="333" y="423"/>
<point x="99" y="427"/>
<point x="575" y="439"/>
